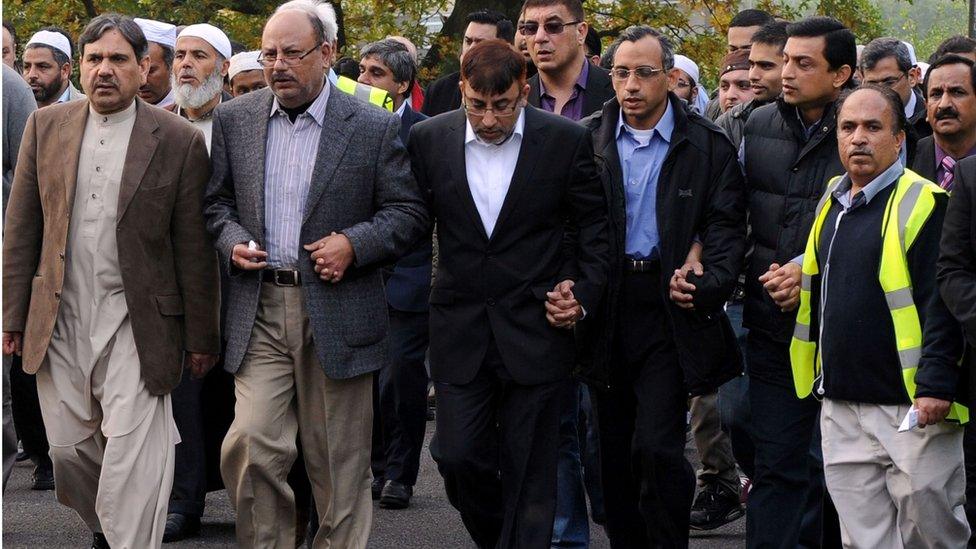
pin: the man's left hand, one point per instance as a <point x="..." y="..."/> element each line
<point x="562" y="309"/>
<point x="331" y="256"/>
<point x="200" y="363"/>
<point x="931" y="410"/>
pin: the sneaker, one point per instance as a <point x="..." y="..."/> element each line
<point x="714" y="507"/>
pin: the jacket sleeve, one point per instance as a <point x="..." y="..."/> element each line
<point x="722" y="232"/>
<point x="220" y="200"/>
<point x="196" y="261"/>
<point x="942" y="342"/>
<point x="587" y="212"/>
<point x="24" y="233"/>
<point x="957" y="260"/>
<point x="400" y="218"/>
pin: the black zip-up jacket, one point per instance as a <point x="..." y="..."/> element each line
<point x="699" y="192"/>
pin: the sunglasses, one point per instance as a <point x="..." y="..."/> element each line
<point x="551" y="27"/>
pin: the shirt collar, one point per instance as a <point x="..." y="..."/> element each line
<point x="333" y="77"/>
<point x="519" y="130"/>
<point x="402" y="109"/>
<point x="910" y="106"/>
<point x="66" y="96"/>
<point x="580" y="80"/>
<point x="884" y="179"/>
<point x="115" y="117"/>
<point x="664" y="126"/>
<point x="166" y="101"/>
<point x="316" y="110"/>
<point x="940" y="154"/>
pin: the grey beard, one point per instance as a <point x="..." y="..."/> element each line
<point x="189" y="97"/>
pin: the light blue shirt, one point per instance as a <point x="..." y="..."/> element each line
<point x="333" y="77"/>
<point x="842" y="194"/>
<point x="641" y="156"/>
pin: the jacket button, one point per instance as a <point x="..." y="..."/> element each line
<point x="491" y="302"/>
<point x="796" y="170"/>
<point x="57" y="295"/>
<point x="61" y="255"/>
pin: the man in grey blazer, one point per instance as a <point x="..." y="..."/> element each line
<point x="311" y="191"/>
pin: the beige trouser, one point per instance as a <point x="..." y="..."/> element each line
<point x="113" y="444"/>
<point x="282" y="392"/>
<point x="893" y="489"/>
<point x="714" y="446"/>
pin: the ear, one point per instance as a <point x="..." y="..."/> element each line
<point x="672" y="79"/>
<point x="402" y="87"/>
<point x="581" y="30"/>
<point x="66" y="71"/>
<point x="841" y="76"/>
<point x="914" y="76"/>
<point x="144" y="70"/>
<point x="225" y="67"/>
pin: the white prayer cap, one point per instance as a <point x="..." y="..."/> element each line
<point x="157" y="31"/>
<point x="687" y="65"/>
<point x="244" y="61"/>
<point x="924" y="67"/>
<point x="53" y="39"/>
<point x="911" y="52"/>
<point x="214" y="36"/>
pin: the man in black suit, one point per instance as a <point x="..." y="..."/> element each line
<point x="672" y="182"/>
<point x="400" y="420"/>
<point x="567" y="83"/>
<point x="444" y="94"/>
<point x="522" y="232"/>
<point x="950" y="85"/>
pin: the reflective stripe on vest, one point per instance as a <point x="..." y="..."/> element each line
<point x="368" y="94"/>
<point x="907" y="210"/>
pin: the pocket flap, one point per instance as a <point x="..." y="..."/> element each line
<point x="170" y="305"/>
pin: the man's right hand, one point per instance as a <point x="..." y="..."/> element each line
<point x="244" y="259"/>
<point x="782" y="283"/>
<point x="13" y="343"/>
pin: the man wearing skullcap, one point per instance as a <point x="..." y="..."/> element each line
<point x="162" y="41"/>
<point x="47" y="67"/>
<point x="245" y="73"/>
<point x="733" y="84"/>
<point x="202" y="58"/>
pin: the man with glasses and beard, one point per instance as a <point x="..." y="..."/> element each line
<point x="950" y="85"/>
<point x="202" y="58"/>
<point x="506" y="184"/>
<point x="47" y="67"/>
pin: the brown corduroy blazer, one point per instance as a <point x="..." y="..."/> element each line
<point x="167" y="259"/>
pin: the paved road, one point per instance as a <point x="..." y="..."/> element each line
<point x="34" y="520"/>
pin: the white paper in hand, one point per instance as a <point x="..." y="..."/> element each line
<point x="911" y="420"/>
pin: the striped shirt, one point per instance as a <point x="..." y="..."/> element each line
<point x="290" y="157"/>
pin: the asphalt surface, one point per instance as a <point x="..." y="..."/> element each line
<point x="36" y="520"/>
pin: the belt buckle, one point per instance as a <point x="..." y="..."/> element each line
<point x="282" y="281"/>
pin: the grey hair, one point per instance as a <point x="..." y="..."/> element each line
<point x="321" y="14"/>
<point x="127" y="27"/>
<point x="634" y="33"/>
<point x="882" y="48"/>
<point x="395" y="55"/>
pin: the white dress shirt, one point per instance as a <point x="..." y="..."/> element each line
<point x="489" y="169"/>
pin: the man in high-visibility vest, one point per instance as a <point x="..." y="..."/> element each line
<point x="874" y="340"/>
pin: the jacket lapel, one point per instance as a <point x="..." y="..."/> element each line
<point x="597" y="85"/>
<point x="142" y="146"/>
<point x="459" y="176"/>
<point x="336" y="131"/>
<point x="533" y="135"/>
<point x="256" y="162"/>
<point x="70" y="134"/>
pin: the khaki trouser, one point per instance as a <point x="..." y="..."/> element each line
<point x="113" y="444"/>
<point x="282" y="392"/>
<point x="893" y="489"/>
<point x="714" y="446"/>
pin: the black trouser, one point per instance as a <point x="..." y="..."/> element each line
<point x="493" y="425"/>
<point x="26" y="411"/>
<point x="403" y="396"/>
<point x="190" y="471"/>
<point x="788" y="505"/>
<point x="648" y="485"/>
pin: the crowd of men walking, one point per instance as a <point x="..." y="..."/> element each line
<point x="250" y="269"/>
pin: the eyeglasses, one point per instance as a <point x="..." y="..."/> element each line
<point x="887" y="82"/>
<point x="499" y="112"/>
<point x="288" y="58"/>
<point x="551" y="27"/>
<point x="643" y="72"/>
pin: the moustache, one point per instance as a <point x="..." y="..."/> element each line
<point x="281" y="78"/>
<point x="948" y="112"/>
<point x="861" y="151"/>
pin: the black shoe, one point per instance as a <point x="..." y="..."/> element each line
<point x="714" y="507"/>
<point x="99" y="541"/>
<point x="21" y="456"/>
<point x="179" y="526"/>
<point x="43" y="477"/>
<point x="396" y="495"/>
<point x="377" y="487"/>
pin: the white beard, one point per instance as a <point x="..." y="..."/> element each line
<point x="189" y="97"/>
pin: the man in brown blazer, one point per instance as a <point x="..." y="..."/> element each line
<point x="110" y="283"/>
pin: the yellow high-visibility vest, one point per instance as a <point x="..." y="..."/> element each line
<point x="908" y="208"/>
<point x="374" y="96"/>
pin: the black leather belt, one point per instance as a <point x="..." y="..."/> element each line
<point x="642" y="265"/>
<point x="282" y="277"/>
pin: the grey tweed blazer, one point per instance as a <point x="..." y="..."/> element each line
<point x="362" y="186"/>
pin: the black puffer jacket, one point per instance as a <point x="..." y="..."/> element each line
<point x="786" y="175"/>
